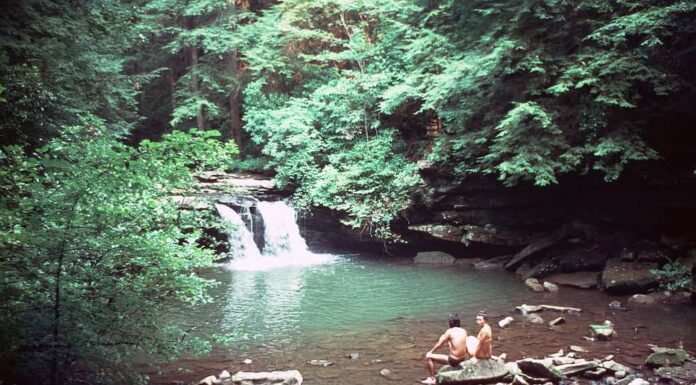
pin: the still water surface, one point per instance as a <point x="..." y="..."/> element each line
<point x="394" y="312"/>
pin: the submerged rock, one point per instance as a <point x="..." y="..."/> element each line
<point x="535" y="319"/>
<point x="323" y="363"/>
<point x="483" y="372"/>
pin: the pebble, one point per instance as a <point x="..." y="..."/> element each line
<point x="376" y="362"/>
<point x="578" y="349"/>
<point x="247" y="361"/>
<point x="609" y="357"/>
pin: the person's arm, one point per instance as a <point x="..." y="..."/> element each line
<point x="440" y="342"/>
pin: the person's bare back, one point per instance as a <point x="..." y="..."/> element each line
<point x="457" y="343"/>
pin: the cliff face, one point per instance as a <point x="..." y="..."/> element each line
<point x="481" y="210"/>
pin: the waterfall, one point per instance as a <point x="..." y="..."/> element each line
<point x="240" y="237"/>
<point x="283" y="244"/>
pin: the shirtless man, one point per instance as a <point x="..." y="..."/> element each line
<point x="455" y="337"/>
<point x="481" y="346"/>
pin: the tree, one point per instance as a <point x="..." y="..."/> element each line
<point x="93" y="249"/>
<point x="62" y="59"/>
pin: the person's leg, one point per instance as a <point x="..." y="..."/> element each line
<point x="471" y="345"/>
<point x="440" y="359"/>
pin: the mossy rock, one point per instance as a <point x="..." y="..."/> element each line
<point x="666" y="357"/>
<point x="483" y="372"/>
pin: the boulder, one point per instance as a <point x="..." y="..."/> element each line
<point x="434" y="258"/>
<point x="628" y="277"/>
<point x="290" y="377"/>
<point x="586" y="258"/>
<point x="666" y="357"/>
<point x="539" y="369"/>
<point x="580" y="279"/>
<point x="483" y="372"/>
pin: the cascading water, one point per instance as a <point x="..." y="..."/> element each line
<point x="240" y="237"/>
<point x="284" y="246"/>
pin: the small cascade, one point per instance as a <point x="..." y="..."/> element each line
<point x="282" y="235"/>
<point x="240" y="237"/>
<point x="282" y="243"/>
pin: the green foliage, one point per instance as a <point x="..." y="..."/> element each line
<point x="93" y="249"/>
<point x="317" y="72"/>
<point x="673" y="276"/>
<point x="62" y="59"/>
<point x="369" y="183"/>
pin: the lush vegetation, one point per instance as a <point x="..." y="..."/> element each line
<point x="107" y="108"/>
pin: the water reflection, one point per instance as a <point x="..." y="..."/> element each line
<point x="264" y="304"/>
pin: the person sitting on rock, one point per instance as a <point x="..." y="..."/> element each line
<point x="455" y="337"/>
<point x="480" y="347"/>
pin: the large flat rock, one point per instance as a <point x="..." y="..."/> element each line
<point x="483" y="372"/>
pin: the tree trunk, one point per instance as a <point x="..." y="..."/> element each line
<point x="234" y="98"/>
<point x="193" y="51"/>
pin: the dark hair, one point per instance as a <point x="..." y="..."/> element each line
<point x="454" y="320"/>
<point x="483" y="315"/>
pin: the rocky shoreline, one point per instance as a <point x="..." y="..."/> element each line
<point x="668" y="365"/>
